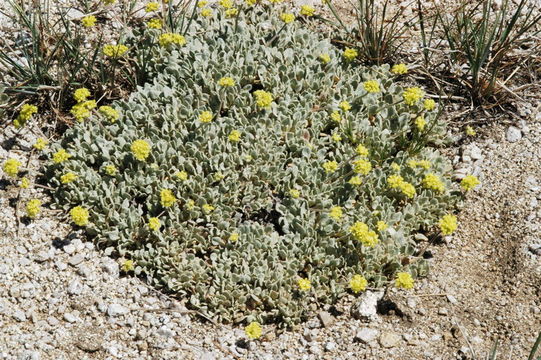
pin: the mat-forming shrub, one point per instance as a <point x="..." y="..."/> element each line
<point x="259" y="174"/>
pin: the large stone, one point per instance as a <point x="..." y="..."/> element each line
<point x="365" y="308"/>
<point x="389" y="339"/>
<point x="513" y="134"/>
<point x="366" y="335"/>
<point x="116" y="310"/>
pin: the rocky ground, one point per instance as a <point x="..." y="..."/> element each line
<point x="61" y="298"/>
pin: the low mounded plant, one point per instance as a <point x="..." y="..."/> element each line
<point x="260" y="172"/>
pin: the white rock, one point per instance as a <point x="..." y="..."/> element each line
<point x="366" y="335"/>
<point x="116" y="310"/>
<point x="513" y="134"/>
<point x="389" y="339"/>
<point x="365" y="308"/>
<point x="69" y="317"/>
<point x="75" y="287"/>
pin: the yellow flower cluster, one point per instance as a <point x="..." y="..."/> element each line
<point x="114" y="51"/>
<point x="110" y="170"/>
<point x="330" y="166"/>
<point x="140" y="149"/>
<point x="207" y="208"/>
<point x="234" y="136"/>
<point x="433" y="182"/>
<point x="88" y="21"/>
<point x="371" y="86"/>
<point x="33" y="207"/>
<point x="226" y="4"/>
<point x="253" y="330"/>
<point x="182" y="175"/>
<point x="202" y="3"/>
<point x="350" y="54"/>
<point x="127" y="266"/>
<point x="110" y="113"/>
<point x="205" y="116"/>
<point x="25" y="183"/>
<point x="60" y="156"/>
<point x="11" y="167"/>
<point x="68" y="177"/>
<point x="231" y="12"/>
<point x="294" y="193"/>
<point x="81" y="94"/>
<point x="155" y="24"/>
<point x="287" y="18"/>
<point x="25" y="114"/>
<point x="226" y="82"/>
<point x="335" y="116"/>
<point x="79" y="215"/>
<point x="381" y="226"/>
<point x="404" y="280"/>
<point x="40" y="144"/>
<point x="167" y="198"/>
<point x="83" y="108"/>
<point x="469" y="182"/>
<point x="448" y="224"/>
<point x="344" y="105"/>
<point x="362" y="166"/>
<point x="358" y="283"/>
<point x="324" y="58"/>
<point x="304" y="284"/>
<point x="398" y="182"/>
<point x="355" y="181"/>
<point x="169" y="39"/>
<point x="412" y="95"/>
<point x="263" y="99"/>
<point x="399" y="69"/>
<point x="307" y="10"/>
<point x="336" y="213"/>
<point x="206" y="12"/>
<point x="362" y="233"/>
<point x="154" y="224"/>
<point x="470" y="131"/>
<point x="420" y="123"/>
<point x="429" y="104"/>
<point x="362" y="150"/>
<point x="234" y="237"/>
<point x="425" y="164"/>
<point x="152" y="6"/>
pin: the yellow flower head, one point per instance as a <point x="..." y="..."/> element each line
<point x="336" y="117"/>
<point x="234" y="237"/>
<point x="206" y="12"/>
<point x="336" y="213"/>
<point x="358" y="283"/>
<point x="127" y="266"/>
<point x="470" y="131"/>
<point x="336" y="137"/>
<point x="362" y="233"/>
<point x="395" y="167"/>
<point x="88" y="21"/>
<point x="25" y="183"/>
<point x="330" y="166"/>
<point x="33" y="207"/>
<point x="182" y="175"/>
<point x="420" y="123"/>
<point x="404" y="280"/>
<point x="60" y="156"/>
<point x="11" y="167"/>
<point x="381" y="226"/>
<point x="250" y="2"/>
<point x="205" y="116"/>
<point x="226" y="82"/>
<point x="234" y="136"/>
<point x="108" y="2"/>
<point x="287" y="17"/>
<point x="81" y="94"/>
<point x="371" y="86"/>
<point x="307" y="10"/>
<point x="152" y="6"/>
<point x="399" y="69"/>
<point x="110" y="113"/>
<point x="155" y="23"/>
<point x="469" y="182"/>
<point x="433" y="182"/>
<point x="362" y="166"/>
<point x="429" y="104"/>
<point x="169" y="39"/>
<point x="207" y="209"/>
<point x="110" y="170"/>
<point x="226" y="4"/>
<point x="355" y="181"/>
<point x="253" y="330"/>
<point x="115" y="51"/>
<point x="350" y="54"/>
<point x="448" y="224"/>
<point x="25" y="114"/>
<point x="304" y="284"/>
<point x="79" y="215"/>
<point x="294" y="193"/>
<point x="324" y="58"/>
<point x="231" y="12"/>
<point x="425" y="164"/>
<point x="68" y="177"/>
<point x="344" y="105"/>
<point x="412" y="95"/>
<point x="202" y="3"/>
<point x="154" y="224"/>
<point x="140" y="149"/>
<point x="362" y="150"/>
<point x="263" y="99"/>
<point x="167" y="198"/>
